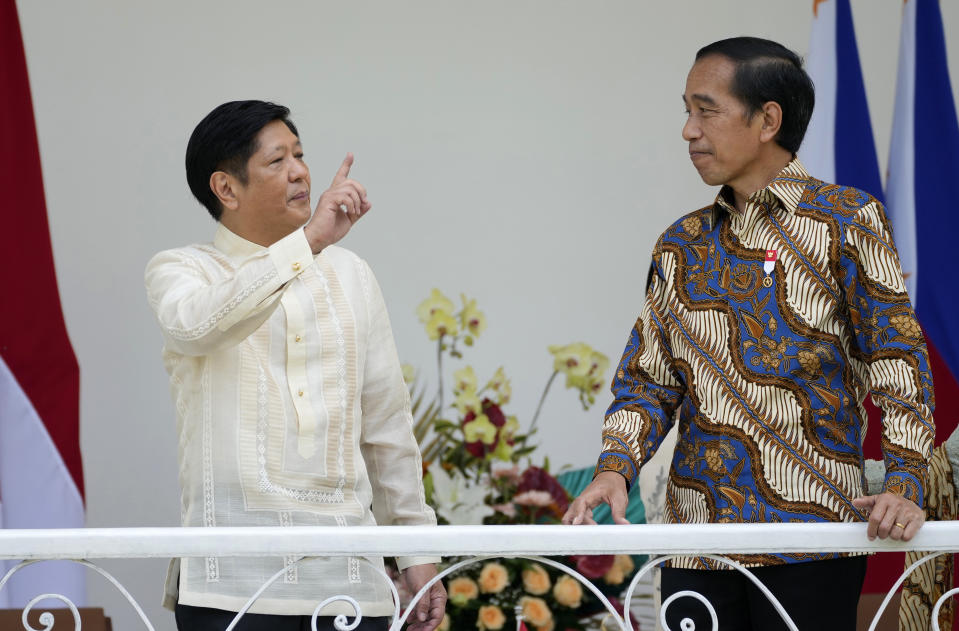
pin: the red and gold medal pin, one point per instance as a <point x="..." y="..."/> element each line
<point x="769" y="265"/>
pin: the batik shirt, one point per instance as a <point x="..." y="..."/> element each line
<point x="762" y="333"/>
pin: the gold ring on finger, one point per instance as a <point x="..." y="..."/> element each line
<point x="901" y="525"/>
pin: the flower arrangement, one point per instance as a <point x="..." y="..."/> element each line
<point x="487" y="596"/>
<point x="479" y="470"/>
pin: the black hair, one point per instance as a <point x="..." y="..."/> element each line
<point x="767" y="71"/>
<point x="224" y="141"/>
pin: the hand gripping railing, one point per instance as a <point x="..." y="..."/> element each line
<point x="482" y="542"/>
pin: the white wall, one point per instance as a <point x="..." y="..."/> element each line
<point x="526" y="153"/>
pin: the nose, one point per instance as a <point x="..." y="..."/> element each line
<point x="691" y="129"/>
<point x="298" y="170"/>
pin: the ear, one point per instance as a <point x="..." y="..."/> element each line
<point x="772" y="120"/>
<point x="223" y="186"/>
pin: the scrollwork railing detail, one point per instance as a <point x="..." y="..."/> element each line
<point x="685" y="624"/>
<point x="46" y="618"/>
<point x="902" y="578"/>
<point x="340" y="621"/>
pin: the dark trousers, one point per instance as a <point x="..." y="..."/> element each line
<point x="190" y="618"/>
<point x="817" y="595"/>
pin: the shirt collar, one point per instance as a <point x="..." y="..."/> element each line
<point x="232" y="244"/>
<point x="787" y="187"/>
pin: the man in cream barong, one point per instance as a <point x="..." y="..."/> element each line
<point x="291" y="405"/>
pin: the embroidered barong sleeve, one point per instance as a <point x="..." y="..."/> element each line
<point x="889" y="342"/>
<point x="387" y="443"/>
<point x="646" y="387"/>
<point x="202" y="310"/>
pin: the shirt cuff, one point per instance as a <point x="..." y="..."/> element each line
<point x="619" y="463"/>
<point x="404" y="562"/>
<point x="291" y="255"/>
<point x="904" y="485"/>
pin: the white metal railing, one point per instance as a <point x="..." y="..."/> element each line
<point x="483" y="542"/>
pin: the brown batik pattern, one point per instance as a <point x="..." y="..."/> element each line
<point x="769" y="372"/>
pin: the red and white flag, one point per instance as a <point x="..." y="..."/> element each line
<point x="41" y="476"/>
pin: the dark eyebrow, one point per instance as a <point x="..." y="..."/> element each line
<point x="282" y="148"/>
<point x="704" y="98"/>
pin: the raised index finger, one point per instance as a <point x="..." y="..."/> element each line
<point x="344" y="171"/>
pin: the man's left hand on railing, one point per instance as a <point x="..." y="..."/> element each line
<point x="428" y="612"/>
<point x="891" y="516"/>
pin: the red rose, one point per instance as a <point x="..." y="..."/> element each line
<point x="593" y="565"/>
<point x="537" y="479"/>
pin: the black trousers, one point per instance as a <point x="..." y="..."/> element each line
<point x="818" y="596"/>
<point x="189" y="618"/>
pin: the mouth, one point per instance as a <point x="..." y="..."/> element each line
<point x="302" y="195"/>
<point x="697" y="155"/>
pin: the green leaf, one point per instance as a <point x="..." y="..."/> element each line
<point x="428" y="487"/>
<point x="436" y="448"/>
<point x="440" y="425"/>
<point x="424" y="422"/>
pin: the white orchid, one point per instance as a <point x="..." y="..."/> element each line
<point x="457" y="500"/>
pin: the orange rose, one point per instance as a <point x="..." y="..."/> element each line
<point x="622" y="565"/>
<point x="490" y="617"/>
<point x="614" y="576"/>
<point x="536" y="580"/>
<point x="493" y="579"/>
<point x="535" y="611"/>
<point x="625" y="563"/>
<point x="568" y="592"/>
<point x="462" y="590"/>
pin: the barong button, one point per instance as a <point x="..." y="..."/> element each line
<point x="296" y="267"/>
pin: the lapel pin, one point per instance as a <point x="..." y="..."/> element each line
<point x="769" y="265"/>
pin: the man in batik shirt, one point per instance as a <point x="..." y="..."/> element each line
<point x="770" y="315"/>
